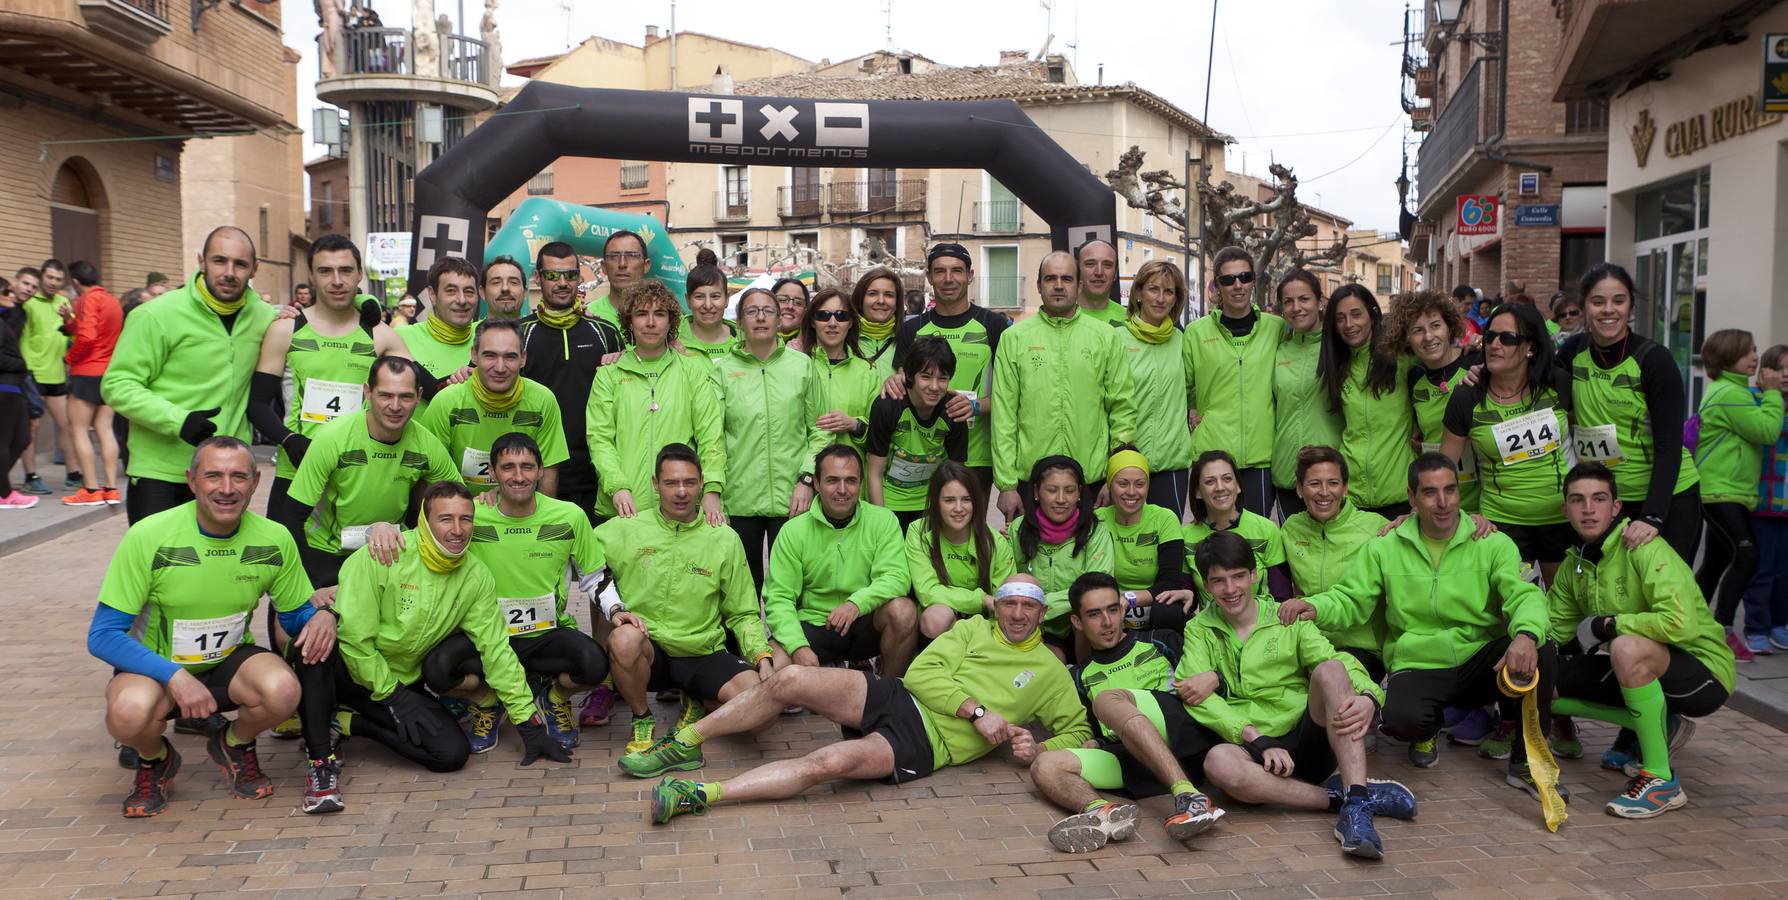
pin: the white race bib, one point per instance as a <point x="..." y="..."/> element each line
<point x="971" y="397"/>
<point x="1598" y="443"/>
<point x="1527" y="437"/>
<point x="1468" y="461"/>
<point x="353" y="537"/>
<point x="527" y="615"/>
<point x="474" y="466"/>
<point x="325" y="400"/>
<point x="199" y="641"/>
<point x="906" y="471"/>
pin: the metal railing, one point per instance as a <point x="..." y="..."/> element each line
<point x="732" y="206"/>
<point x="998" y="217"/>
<point x="156" y="8"/>
<point x="391" y="51"/>
<point x="799" y="200"/>
<point x="1459" y="128"/>
<point x="1001" y="291"/>
<point x="635" y="176"/>
<point x="865" y="197"/>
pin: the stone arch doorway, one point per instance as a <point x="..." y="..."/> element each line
<point x="77" y="200"/>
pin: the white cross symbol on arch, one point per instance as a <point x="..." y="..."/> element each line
<point x="779" y="122"/>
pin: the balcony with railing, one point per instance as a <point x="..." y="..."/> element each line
<point x="799" y="200"/>
<point x="1464" y="122"/>
<point x="998" y="217"/>
<point x="873" y="197"/>
<point x="138" y="22"/>
<point x="382" y="64"/>
<point x="732" y="206"/>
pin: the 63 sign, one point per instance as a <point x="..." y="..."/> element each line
<point x="1477" y="214"/>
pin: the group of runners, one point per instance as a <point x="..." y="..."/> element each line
<point x="1228" y="554"/>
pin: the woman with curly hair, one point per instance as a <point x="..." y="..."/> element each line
<point x="1427" y="325"/>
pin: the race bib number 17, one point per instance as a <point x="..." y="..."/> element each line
<point x="196" y="642"/>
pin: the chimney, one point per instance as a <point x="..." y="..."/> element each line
<point x="722" y="83"/>
<point x="651" y="33"/>
<point x="1013" y="57"/>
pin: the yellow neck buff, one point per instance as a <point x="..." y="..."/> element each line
<point x="1030" y="592"/>
<point x="446" y="332"/>
<point x="561" y="319"/>
<point x="788" y="336"/>
<point x="1150" y="334"/>
<point x="436" y="558"/>
<point x="875" y="331"/>
<point x="221" y="307"/>
<point x="493" y="402"/>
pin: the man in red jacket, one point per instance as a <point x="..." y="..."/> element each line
<point x="98" y="319"/>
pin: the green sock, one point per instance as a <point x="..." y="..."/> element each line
<point x="489" y="701"/>
<point x="557" y="694"/>
<point x="344" y="718"/>
<point x="1092" y="806"/>
<point x="234" y="741"/>
<point x="688" y="736"/>
<point x="1181" y="787"/>
<point x="710" y="791"/>
<point x="161" y="753"/>
<point x="1647" y="704"/>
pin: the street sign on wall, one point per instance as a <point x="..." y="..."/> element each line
<point x="1537" y="214"/>
<point x="1477" y="214"/>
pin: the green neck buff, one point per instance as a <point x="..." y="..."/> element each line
<point x="493" y="402"/>
<point x="561" y="319"/>
<point x="221" y="307"/>
<point x="1029" y="643"/>
<point x="875" y="331"/>
<point x="446" y="332"/>
<point x="1150" y="334"/>
<point x="437" y="559"/>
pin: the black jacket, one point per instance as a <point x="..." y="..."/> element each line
<point x="566" y="362"/>
<point x="12" y="362"/>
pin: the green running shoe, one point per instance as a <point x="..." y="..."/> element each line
<point x="674" y="797"/>
<point x="642" y="734"/>
<point x="693" y="712"/>
<point x="1422" y="754"/>
<point x="665" y="755"/>
<point x="1501" y="742"/>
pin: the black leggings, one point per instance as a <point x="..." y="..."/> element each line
<point x="560" y="651"/>
<point x="1257" y="490"/>
<point x="145" y="497"/>
<point x="327" y="683"/>
<point x="1168" y="490"/>
<point x="1290" y="504"/>
<point x="15" y="435"/>
<point x="1730" y="560"/>
<point x="1414" y="698"/>
<point x="758" y="534"/>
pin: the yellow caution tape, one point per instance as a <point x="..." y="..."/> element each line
<point x="1540" y="764"/>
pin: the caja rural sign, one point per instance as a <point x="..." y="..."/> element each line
<point x="1477" y="214"/>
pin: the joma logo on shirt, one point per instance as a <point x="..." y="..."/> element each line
<point x="224" y="552"/>
<point x="528" y="530"/>
<point x="698" y="570"/>
<point x="383" y="454"/>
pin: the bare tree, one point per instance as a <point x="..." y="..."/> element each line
<point x="1268" y="229"/>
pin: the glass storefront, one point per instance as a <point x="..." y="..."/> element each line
<point x="1670" y="266"/>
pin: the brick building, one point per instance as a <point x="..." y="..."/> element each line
<point x="100" y="102"/>
<point x="1482" y="78"/>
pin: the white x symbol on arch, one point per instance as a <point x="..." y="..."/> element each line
<point x="780" y="121"/>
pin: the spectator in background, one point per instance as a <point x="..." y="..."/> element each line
<point x="1567" y="315"/>
<point x="404" y="313"/>
<point x="15" y="421"/>
<point x="302" y="296"/>
<point x="98" y="318"/>
<point x="1766" y="598"/>
<point x="156" y="284"/>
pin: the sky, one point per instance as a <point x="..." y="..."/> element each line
<point x="1312" y="84"/>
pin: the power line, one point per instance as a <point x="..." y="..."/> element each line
<point x="1381" y="136"/>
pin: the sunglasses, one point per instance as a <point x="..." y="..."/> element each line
<point x="1242" y="277"/>
<point x="1505" y="338"/>
<point x="552" y="275"/>
<point x="832" y="315"/>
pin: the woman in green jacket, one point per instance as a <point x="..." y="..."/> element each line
<point x="1301" y="416"/>
<point x="876" y="299"/>
<point x="772" y="396"/>
<point x="830" y="327"/>
<point x="706" y="331"/>
<point x="1153" y="346"/>
<point x="1735" y="424"/>
<point x="1362" y="374"/>
<point x="1428" y="325"/>
<point x="1057" y="539"/>
<point x="1216" y="506"/>
<point x="956" y="561"/>
<point x="791" y="304"/>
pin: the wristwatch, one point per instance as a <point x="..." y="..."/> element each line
<point x="805" y="480"/>
<point x="1129" y="599"/>
<point x="978" y="714"/>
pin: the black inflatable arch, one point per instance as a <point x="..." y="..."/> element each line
<point x="546" y="121"/>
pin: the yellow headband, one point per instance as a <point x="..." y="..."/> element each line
<point x="1124" y="459"/>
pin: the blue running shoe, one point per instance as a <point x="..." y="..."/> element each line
<point x="1355" y="832"/>
<point x="1624" y="754"/>
<point x="1759" y="644"/>
<point x="1647" y="795"/>
<point x="561" y="722"/>
<point x="1778" y="637"/>
<point x="483" y="734"/>
<point x="1386" y="797"/>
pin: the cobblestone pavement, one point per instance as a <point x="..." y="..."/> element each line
<point x="497" y="830"/>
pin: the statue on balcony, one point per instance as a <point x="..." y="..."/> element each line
<point x="332" y="18"/>
<point x="493" y="43"/>
<point x="427" y="54"/>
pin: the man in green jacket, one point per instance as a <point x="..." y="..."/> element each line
<point x="182" y="369"/>
<point x="962" y="698"/>
<point x="837" y="574"/>
<point x="679" y="585"/>
<point x="1288" y="708"/>
<point x="1637" y="615"/>
<point x="1060" y="385"/>
<point x="1458" y="613"/>
<point x="393" y="615"/>
<point x="1230" y="356"/>
<point x="1098" y="264"/>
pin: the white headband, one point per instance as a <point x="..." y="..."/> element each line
<point x="1023" y="589"/>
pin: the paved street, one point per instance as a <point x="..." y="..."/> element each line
<point x="580" y="831"/>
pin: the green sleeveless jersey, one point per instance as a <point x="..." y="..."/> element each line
<point x="527" y="556"/>
<point x="1133" y="665"/>
<point x="328" y="374"/>
<point x="913" y="448"/>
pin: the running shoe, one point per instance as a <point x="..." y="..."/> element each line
<point x="482" y="736"/>
<point x="290" y="729"/>
<point x="241" y="767"/>
<point x="1565" y="741"/>
<point x="1192" y="813"/>
<point x="1386" y="797"/>
<point x="561" y="722"/>
<point x="1647" y="795"/>
<point x="322" y="787"/>
<point x="84" y="497"/>
<point x="17" y="500"/>
<point x="1759" y="645"/>
<point x="1353" y="828"/>
<point x="665" y="755"/>
<point x="674" y="797"/>
<point x="598" y="707"/>
<point x="1623" y="756"/>
<point x="1471" y="728"/>
<point x="35" y="485"/>
<point x="113" y="498"/>
<point x="693" y="712"/>
<point x="1423" y="754"/>
<point x="72" y="481"/>
<point x="149" y="789"/>
<point x="1519" y="777"/>
<point x="1778" y="637"/>
<point x="207" y="726"/>
<point x="1090" y="830"/>
<point x="1501" y="742"/>
<point x="1740" y="653"/>
<point x="127" y="757"/>
<point x="1679" y="729"/>
<point x="642" y="734"/>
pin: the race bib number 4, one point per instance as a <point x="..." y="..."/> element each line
<point x="196" y="642"/>
<point x="474" y="465"/>
<point x="1598" y="443"/>
<point x="1527" y="437"/>
<point x="325" y="400"/>
<point x="527" y="615"/>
